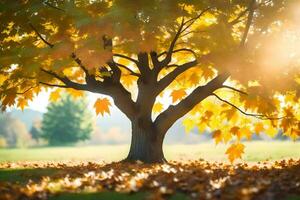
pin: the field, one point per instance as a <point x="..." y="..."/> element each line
<point x="57" y="173"/>
<point x="254" y="151"/>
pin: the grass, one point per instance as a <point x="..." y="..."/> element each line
<point x="255" y="151"/>
<point x="111" y="196"/>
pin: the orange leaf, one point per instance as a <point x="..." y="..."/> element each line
<point x="178" y="95"/>
<point x="102" y="106"/>
<point x="217" y="135"/>
<point x="235" y="151"/>
<point x="259" y="127"/>
<point x="22" y="103"/>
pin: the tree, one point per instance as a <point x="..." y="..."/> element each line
<point x="66" y="122"/>
<point x="218" y="61"/>
<point x="35" y="131"/>
<point x="13" y="132"/>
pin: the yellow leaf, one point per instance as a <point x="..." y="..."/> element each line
<point x="201" y="127"/>
<point x="235" y="151"/>
<point x="294" y="134"/>
<point x="178" y="95"/>
<point x="259" y="127"/>
<point x="241" y="132"/>
<point x="75" y="93"/>
<point x="55" y="95"/>
<point x="245" y="131"/>
<point x="217" y="135"/>
<point x="128" y="80"/>
<point x="188" y="124"/>
<point x="2" y="79"/>
<point x="208" y="73"/>
<point x="28" y="95"/>
<point x="158" y="107"/>
<point x="102" y="106"/>
<point x="226" y="136"/>
<point x="22" y="103"/>
<point x="271" y="131"/>
<point x="194" y="79"/>
<point x="230" y="114"/>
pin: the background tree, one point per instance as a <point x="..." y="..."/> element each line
<point x="217" y="62"/>
<point x="67" y="121"/>
<point x="13" y="132"/>
<point x="35" y="131"/>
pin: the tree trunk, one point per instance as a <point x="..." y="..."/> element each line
<point x="146" y="144"/>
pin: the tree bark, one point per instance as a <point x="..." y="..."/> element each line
<point x="146" y="143"/>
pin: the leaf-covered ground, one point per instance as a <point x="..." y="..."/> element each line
<point x="190" y="180"/>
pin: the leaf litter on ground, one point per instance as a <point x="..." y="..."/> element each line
<point x="196" y="179"/>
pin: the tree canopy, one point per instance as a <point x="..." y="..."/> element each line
<point x="231" y="66"/>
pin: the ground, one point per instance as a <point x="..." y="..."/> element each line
<point x="200" y="172"/>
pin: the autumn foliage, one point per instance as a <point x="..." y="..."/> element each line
<point x="230" y="67"/>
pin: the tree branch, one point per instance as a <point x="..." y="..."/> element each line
<point x="66" y="81"/>
<point x="53" y="85"/>
<point x="258" y="116"/>
<point x="167" y="118"/>
<point x="249" y="22"/>
<point x="40" y="36"/>
<point x="23" y="92"/>
<point x="179" y="50"/>
<point x="237" y="19"/>
<point x="126" y="57"/>
<point x="125" y="67"/>
<point x="234" y="89"/>
<point x="169" y="78"/>
<point x="79" y="62"/>
<point x="54" y="7"/>
<point x="182" y="27"/>
<point x="193" y="20"/>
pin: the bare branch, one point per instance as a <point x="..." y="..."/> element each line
<point x="68" y="82"/>
<point x="126" y="57"/>
<point x="21" y="93"/>
<point x="169" y="78"/>
<point x="237" y="19"/>
<point x="131" y="72"/>
<point x="244" y="12"/>
<point x="54" y="7"/>
<point x="243" y="112"/>
<point x="168" y="57"/>
<point x="41" y="37"/>
<point x="79" y="62"/>
<point x="180" y="50"/>
<point x="190" y="32"/>
<point x="234" y="89"/>
<point x="258" y="116"/>
<point x="53" y="85"/>
<point x="191" y="21"/>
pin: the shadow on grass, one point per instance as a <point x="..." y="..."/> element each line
<point x="24" y="175"/>
<point x="111" y="196"/>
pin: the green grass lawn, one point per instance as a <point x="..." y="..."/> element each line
<point x="255" y="151"/>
